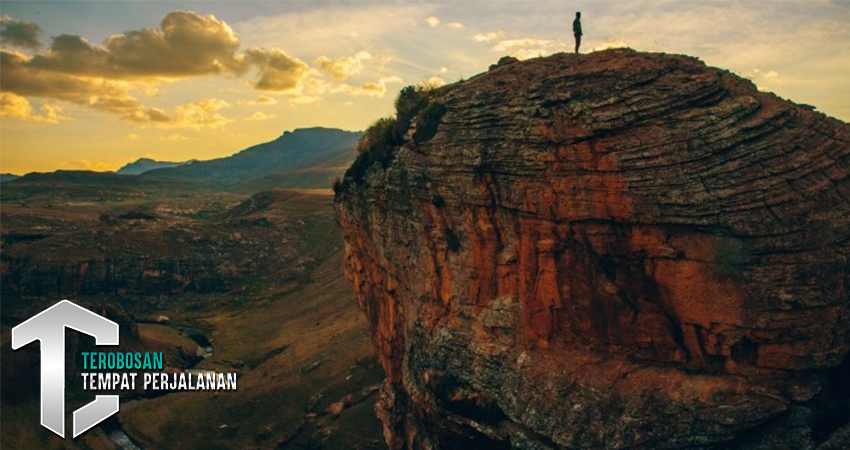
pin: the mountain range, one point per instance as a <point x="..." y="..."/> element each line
<point x="143" y="165"/>
<point x="307" y="158"/>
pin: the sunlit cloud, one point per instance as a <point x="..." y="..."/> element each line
<point x="102" y="77"/>
<point x="605" y="45"/>
<point x="260" y="116"/>
<point x="375" y="88"/>
<point x="344" y="67"/>
<point x="16" y="76"/>
<point x="487" y="37"/>
<point x="529" y="48"/>
<point x="433" y="82"/>
<point x="16" y="107"/>
<point x="19" y="33"/>
<point x="186" y="44"/>
<point x="81" y="164"/>
<point x="432" y="21"/>
<point x="259" y="101"/>
<point x="454" y="25"/>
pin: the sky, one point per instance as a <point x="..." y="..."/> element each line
<point x="95" y="85"/>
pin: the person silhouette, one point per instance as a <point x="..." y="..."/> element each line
<point x="577" y="29"/>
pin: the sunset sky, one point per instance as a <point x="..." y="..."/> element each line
<point x="95" y="85"/>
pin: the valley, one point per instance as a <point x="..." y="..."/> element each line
<point x="249" y="282"/>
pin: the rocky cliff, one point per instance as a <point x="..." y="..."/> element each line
<point x="614" y="250"/>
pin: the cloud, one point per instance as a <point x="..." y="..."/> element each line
<point x="201" y="113"/>
<point x="487" y="37"/>
<point x="455" y="25"/>
<point x="432" y="21"/>
<point x="16" y="76"/>
<point x="277" y="71"/>
<point x="260" y="116"/>
<point x="101" y="77"/>
<point x="609" y="44"/>
<point x="345" y="67"/>
<point x="433" y="82"/>
<point x="259" y="101"/>
<point x="185" y="45"/>
<point x="18" y="79"/>
<point x="16" y="107"/>
<point x="81" y="164"/>
<point x="131" y="136"/>
<point x="528" y="47"/>
<point x="19" y="33"/>
<point x="766" y="80"/>
<point x="176" y="137"/>
<point x="375" y="88"/>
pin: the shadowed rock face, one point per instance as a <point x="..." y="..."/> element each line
<point x="614" y="250"/>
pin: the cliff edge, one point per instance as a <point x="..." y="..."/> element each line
<point x="613" y="250"/>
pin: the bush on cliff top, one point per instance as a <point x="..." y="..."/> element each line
<point x="380" y="140"/>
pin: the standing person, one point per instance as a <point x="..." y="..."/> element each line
<point x="577" y="29"/>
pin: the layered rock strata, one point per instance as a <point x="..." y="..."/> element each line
<point x="614" y="250"/>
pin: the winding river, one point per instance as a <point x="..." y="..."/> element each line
<point x="112" y="426"/>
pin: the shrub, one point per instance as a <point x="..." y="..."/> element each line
<point x="380" y="140"/>
<point x="438" y="201"/>
<point x="429" y="120"/>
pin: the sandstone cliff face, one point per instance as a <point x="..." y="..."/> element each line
<point x="614" y="250"/>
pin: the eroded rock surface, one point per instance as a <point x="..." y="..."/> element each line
<point x="614" y="250"/>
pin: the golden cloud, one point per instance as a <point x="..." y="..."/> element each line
<point x="81" y="164"/>
<point x="17" y="77"/>
<point x="186" y="44"/>
<point x="277" y="70"/>
<point x="17" y="107"/>
<point x="19" y="33"/>
<point x="260" y="116"/>
<point x="375" y="88"/>
<point x="260" y="100"/>
<point x="433" y="82"/>
<point x="432" y="21"/>
<point x="487" y="37"/>
<point x="102" y="77"/>
<point x="345" y="67"/>
<point x="528" y="47"/>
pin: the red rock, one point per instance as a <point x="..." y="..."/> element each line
<point x="632" y="251"/>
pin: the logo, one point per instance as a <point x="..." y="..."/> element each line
<point x="48" y="327"/>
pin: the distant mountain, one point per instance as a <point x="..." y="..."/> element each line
<point x="4" y="177"/>
<point x="143" y="165"/>
<point x="286" y="159"/>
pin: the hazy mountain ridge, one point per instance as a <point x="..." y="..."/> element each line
<point x="306" y="158"/>
<point x="293" y="150"/>
<point x="143" y="165"/>
<point x="4" y="177"/>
